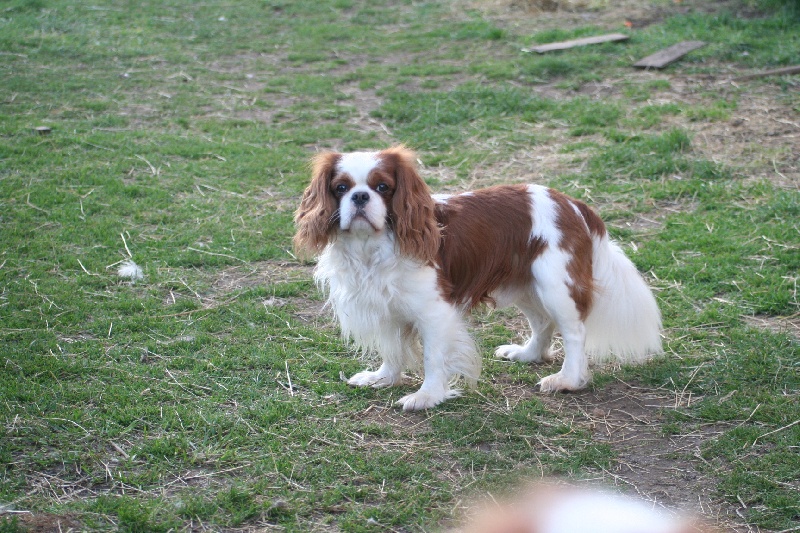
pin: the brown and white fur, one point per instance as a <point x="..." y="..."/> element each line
<point x="402" y="267"/>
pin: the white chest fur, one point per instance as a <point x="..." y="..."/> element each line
<point x="372" y="289"/>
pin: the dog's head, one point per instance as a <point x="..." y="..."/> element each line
<point x="365" y="194"/>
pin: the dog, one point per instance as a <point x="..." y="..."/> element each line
<point x="402" y="267"/>
<point x="550" y="508"/>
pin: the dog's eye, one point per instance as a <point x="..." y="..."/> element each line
<point x="382" y="187"/>
<point x="341" y="188"/>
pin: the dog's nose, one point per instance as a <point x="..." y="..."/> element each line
<point x="360" y="198"/>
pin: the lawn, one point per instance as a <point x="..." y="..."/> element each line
<point x="208" y="394"/>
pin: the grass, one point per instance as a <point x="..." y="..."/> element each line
<point x="208" y="394"/>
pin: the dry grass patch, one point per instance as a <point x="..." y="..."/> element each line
<point x="537" y="15"/>
<point x="776" y="324"/>
<point x="657" y="465"/>
<point x="760" y="137"/>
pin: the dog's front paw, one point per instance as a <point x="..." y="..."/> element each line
<point x="560" y="381"/>
<point x="376" y="379"/>
<point x="425" y="400"/>
<point x="523" y="354"/>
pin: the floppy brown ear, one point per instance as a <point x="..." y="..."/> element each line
<point x="317" y="215"/>
<point x="412" y="209"/>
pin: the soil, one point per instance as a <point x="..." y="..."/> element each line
<point x="45" y="523"/>
<point x="666" y="469"/>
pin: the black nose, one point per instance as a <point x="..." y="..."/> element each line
<point x="360" y="198"/>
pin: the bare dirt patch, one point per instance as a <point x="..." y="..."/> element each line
<point x="536" y="15"/>
<point x="658" y="213"/>
<point x="227" y="284"/>
<point x="232" y="280"/>
<point x="776" y="324"/>
<point x="760" y="137"/>
<point x="45" y="523"/>
<point x="259" y="274"/>
<point x="536" y="164"/>
<point x="661" y="467"/>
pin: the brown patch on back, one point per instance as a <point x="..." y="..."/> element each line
<point x="486" y="243"/>
<point x="577" y="242"/>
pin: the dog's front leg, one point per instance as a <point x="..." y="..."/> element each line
<point x="399" y="348"/>
<point x="435" y="387"/>
<point x="448" y="351"/>
<point x="386" y="376"/>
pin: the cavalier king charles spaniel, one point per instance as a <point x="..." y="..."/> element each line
<point x="402" y="267"/>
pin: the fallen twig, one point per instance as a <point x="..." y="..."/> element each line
<point x="152" y="168"/>
<point x="29" y="204"/>
<point x="214" y="253"/>
<point x="787" y="426"/>
<point x="126" y="245"/>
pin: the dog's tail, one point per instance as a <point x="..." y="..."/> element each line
<point x="624" y="321"/>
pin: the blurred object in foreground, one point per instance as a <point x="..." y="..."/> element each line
<point x="550" y="508"/>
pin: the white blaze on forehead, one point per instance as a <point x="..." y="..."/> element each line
<point x="358" y="164"/>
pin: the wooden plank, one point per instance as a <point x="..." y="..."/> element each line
<point x="563" y="45"/>
<point x="774" y="72"/>
<point x="666" y="56"/>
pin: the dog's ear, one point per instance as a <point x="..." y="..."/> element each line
<point x="412" y="208"/>
<point x="317" y="215"/>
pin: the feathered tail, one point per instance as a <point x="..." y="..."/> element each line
<point x="625" y="320"/>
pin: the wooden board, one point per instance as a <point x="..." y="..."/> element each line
<point x="666" y="56"/>
<point x="611" y="37"/>
<point x="775" y="72"/>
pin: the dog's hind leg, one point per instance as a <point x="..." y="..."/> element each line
<point x="555" y="293"/>
<point x="537" y="349"/>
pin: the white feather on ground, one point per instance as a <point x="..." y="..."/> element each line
<point x="129" y="269"/>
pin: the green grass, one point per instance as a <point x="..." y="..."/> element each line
<point x="209" y="392"/>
